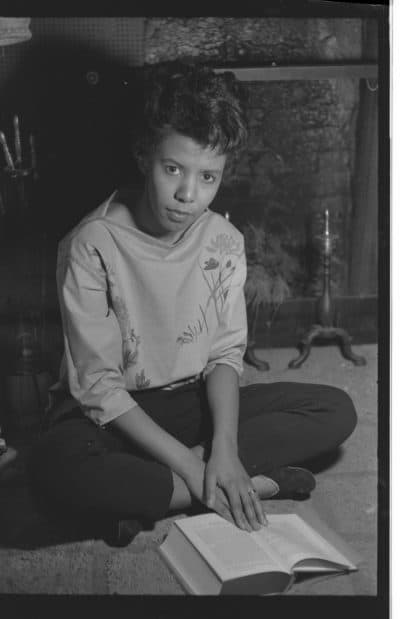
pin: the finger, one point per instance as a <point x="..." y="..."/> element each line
<point x="210" y="488"/>
<point x="221" y="497"/>
<point x="253" y="508"/>
<point x="221" y="505"/>
<point x="236" y="507"/>
<point x="258" y="508"/>
<point x="223" y="510"/>
<point x="249" y="510"/>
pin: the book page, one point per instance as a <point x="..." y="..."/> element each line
<point x="230" y="551"/>
<point x="292" y="540"/>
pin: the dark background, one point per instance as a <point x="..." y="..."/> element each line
<point x="75" y="86"/>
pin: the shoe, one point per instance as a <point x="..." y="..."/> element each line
<point x="121" y="533"/>
<point x="294" y="482"/>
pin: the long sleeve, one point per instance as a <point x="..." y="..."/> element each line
<point x="92" y="336"/>
<point x="229" y="344"/>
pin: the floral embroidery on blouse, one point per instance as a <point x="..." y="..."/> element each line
<point x="130" y="340"/>
<point x="225" y="244"/>
<point x="141" y="381"/>
<point x="217" y="274"/>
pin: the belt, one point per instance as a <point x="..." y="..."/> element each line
<point x="180" y="383"/>
<point x="169" y="387"/>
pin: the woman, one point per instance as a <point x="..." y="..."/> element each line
<point x="151" y="293"/>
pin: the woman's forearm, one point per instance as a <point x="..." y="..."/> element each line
<point x="223" y="398"/>
<point x="224" y="470"/>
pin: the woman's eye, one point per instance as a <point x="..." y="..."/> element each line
<point x="209" y="178"/>
<point x="172" y="169"/>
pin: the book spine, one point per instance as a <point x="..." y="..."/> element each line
<point x="179" y="576"/>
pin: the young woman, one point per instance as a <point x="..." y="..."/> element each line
<point x="151" y="293"/>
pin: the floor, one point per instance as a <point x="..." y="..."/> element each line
<point x="35" y="559"/>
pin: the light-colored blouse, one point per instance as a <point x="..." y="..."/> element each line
<point x="140" y="313"/>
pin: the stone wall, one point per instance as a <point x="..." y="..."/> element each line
<point x="300" y="156"/>
<point x="280" y="40"/>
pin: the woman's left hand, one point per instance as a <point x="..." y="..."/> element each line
<point x="225" y="470"/>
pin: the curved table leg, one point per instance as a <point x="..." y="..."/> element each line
<point x="251" y="359"/>
<point x="305" y="347"/>
<point x="345" y="347"/>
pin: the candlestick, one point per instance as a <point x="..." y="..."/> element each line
<point x="33" y="155"/>
<point x="17" y="141"/>
<point x="325" y="329"/>
<point x="6" y="151"/>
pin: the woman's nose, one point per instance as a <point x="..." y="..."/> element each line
<point x="186" y="191"/>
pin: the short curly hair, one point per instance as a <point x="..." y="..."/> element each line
<point x="193" y="100"/>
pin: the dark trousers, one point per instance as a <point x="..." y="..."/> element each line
<point x="93" y="471"/>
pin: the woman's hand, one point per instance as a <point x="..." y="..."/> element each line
<point x="225" y="473"/>
<point x="195" y="481"/>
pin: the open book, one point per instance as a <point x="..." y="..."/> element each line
<point x="211" y="556"/>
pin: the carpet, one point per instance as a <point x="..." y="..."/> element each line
<point x="37" y="558"/>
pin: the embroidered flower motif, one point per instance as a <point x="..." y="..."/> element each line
<point x="141" y="381"/>
<point x="192" y="332"/>
<point x="130" y="341"/>
<point x="219" y="283"/>
<point x="211" y="264"/>
<point x="130" y="346"/>
<point x="225" y="244"/>
<point x="130" y="357"/>
<point x="134" y="338"/>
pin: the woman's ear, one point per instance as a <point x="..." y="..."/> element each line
<point x="142" y="163"/>
<point x="141" y="160"/>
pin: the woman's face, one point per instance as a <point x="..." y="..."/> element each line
<point x="182" y="179"/>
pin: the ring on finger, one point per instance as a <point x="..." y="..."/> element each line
<point x="252" y="491"/>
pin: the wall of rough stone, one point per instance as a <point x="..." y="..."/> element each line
<point x="300" y="156"/>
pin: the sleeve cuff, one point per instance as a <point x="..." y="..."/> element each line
<point x="108" y="411"/>
<point x="238" y="367"/>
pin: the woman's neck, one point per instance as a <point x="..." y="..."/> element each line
<point x="130" y="207"/>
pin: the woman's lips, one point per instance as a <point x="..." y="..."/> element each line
<point x="176" y="216"/>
